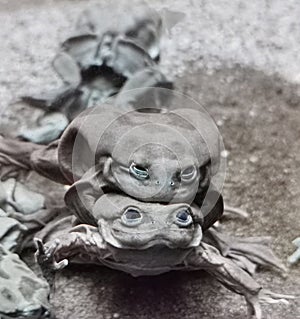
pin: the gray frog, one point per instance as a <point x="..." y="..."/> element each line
<point x="95" y="63"/>
<point x="149" y="239"/>
<point x="161" y="157"/>
<point x="22" y="293"/>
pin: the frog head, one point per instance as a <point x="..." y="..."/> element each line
<point x="155" y="157"/>
<point x="130" y="224"/>
<point x="154" y="163"/>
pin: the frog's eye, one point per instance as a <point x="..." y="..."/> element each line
<point x="131" y="216"/>
<point x="184" y="217"/>
<point x="188" y="173"/>
<point x="138" y="171"/>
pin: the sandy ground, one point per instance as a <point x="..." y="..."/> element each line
<point x="239" y="59"/>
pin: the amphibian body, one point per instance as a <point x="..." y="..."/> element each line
<point x="149" y="239"/>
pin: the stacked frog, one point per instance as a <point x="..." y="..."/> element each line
<point x="144" y="193"/>
<point x="22" y="292"/>
<point x="107" y="51"/>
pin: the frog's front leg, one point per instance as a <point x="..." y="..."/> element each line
<point x="45" y="257"/>
<point x="82" y="243"/>
<point x="233" y="277"/>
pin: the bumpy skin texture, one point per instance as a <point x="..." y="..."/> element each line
<point x="151" y="238"/>
<point x="21" y="199"/>
<point x="22" y="213"/>
<point x="142" y="25"/>
<point x="11" y="232"/>
<point x="22" y="293"/>
<point x="130" y="233"/>
<point x="95" y="63"/>
<point x="162" y="157"/>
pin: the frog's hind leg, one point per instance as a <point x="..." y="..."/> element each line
<point x="234" y="278"/>
<point x="19" y="157"/>
<point x="247" y="253"/>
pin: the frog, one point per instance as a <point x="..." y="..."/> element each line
<point x="94" y="65"/>
<point x="23" y="212"/>
<point x="11" y="232"/>
<point x="155" y="157"/>
<point x="148" y="239"/>
<point x="141" y="24"/>
<point x="22" y="293"/>
<point x="130" y="142"/>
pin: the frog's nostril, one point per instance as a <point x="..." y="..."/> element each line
<point x="172" y="183"/>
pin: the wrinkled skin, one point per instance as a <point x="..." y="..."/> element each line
<point x="149" y="239"/>
<point x="140" y="24"/>
<point x="129" y="234"/>
<point x="22" y="213"/>
<point x="162" y="157"/>
<point x="22" y="293"/>
<point x="50" y="127"/>
<point x="129" y="224"/>
<point x="95" y="63"/>
<point x="18" y="198"/>
<point x="11" y="232"/>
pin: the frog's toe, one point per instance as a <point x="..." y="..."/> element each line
<point x="39" y="246"/>
<point x="254" y="308"/>
<point x="45" y="255"/>
<point x="50" y="250"/>
<point x="264" y="297"/>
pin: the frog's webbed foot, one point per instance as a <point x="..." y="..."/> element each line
<point x="247" y="253"/>
<point x="48" y="129"/>
<point x="45" y="257"/>
<point x="82" y="243"/>
<point x="234" y="278"/>
<point x="264" y="297"/>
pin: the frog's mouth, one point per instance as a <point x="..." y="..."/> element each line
<point x="140" y="240"/>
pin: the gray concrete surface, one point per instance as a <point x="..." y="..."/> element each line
<point x="240" y="59"/>
<point x="259" y="34"/>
